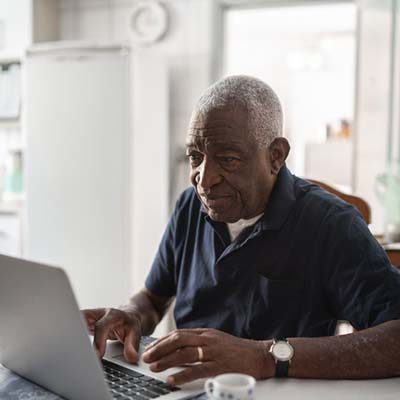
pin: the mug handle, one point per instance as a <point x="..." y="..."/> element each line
<point x="208" y="386"/>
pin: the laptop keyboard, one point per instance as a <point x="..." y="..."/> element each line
<point x="126" y="384"/>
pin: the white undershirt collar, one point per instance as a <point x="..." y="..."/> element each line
<point x="236" y="227"/>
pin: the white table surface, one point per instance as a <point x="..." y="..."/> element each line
<point x="310" y="389"/>
<point x="12" y="387"/>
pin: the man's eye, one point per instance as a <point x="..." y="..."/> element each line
<point x="228" y="160"/>
<point x="195" y="158"/>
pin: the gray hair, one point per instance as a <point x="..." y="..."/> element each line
<point x="265" y="117"/>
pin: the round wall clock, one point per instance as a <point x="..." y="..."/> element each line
<point x="149" y="21"/>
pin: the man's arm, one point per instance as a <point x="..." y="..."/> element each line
<point x="127" y="323"/>
<point x="371" y="353"/>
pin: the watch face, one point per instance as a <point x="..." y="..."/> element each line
<point x="282" y="351"/>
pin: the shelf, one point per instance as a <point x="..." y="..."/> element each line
<point x="9" y="58"/>
<point x="10" y="207"/>
<point x="10" y="124"/>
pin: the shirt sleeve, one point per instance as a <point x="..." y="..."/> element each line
<point x="363" y="287"/>
<point x="161" y="278"/>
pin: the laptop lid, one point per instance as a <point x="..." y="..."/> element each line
<point x="43" y="336"/>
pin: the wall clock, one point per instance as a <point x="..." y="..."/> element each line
<point x="149" y="22"/>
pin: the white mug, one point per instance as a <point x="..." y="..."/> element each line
<point x="230" y="387"/>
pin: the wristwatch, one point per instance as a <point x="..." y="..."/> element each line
<point x="282" y="352"/>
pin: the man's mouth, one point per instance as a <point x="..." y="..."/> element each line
<point x="216" y="202"/>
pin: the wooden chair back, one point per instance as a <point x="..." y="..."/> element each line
<point x="356" y="201"/>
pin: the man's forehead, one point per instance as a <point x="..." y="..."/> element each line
<point x="219" y="126"/>
<point x="229" y="116"/>
<point x="214" y="132"/>
<point x="220" y="141"/>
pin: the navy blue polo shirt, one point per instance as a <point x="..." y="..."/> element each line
<point x="308" y="262"/>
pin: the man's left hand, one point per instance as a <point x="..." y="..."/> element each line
<point x="221" y="352"/>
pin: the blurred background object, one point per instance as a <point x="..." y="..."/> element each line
<point x="13" y="188"/>
<point x="388" y="191"/>
<point x="10" y="90"/>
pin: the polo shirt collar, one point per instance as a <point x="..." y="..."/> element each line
<point x="281" y="201"/>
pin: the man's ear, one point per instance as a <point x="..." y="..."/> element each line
<point x="278" y="150"/>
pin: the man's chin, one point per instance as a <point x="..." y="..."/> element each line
<point x="220" y="216"/>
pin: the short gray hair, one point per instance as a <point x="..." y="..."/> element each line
<point x="265" y="117"/>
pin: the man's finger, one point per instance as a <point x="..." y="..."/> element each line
<point x="172" y="343"/>
<point x="101" y="332"/>
<point x="91" y="316"/>
<point x="189" y="374"/>
<point x="131" y="346"/>
<point x="187" y="355"/>
<point x="197" y="331"/>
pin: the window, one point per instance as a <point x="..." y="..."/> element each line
<point x="307" y="54"/>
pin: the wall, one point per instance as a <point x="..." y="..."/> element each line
<point x="396" y="84"/>
<point x="23" y="22"/>
<point x="16" y="22"/>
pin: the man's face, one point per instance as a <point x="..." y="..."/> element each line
<point x="231" y="174"/>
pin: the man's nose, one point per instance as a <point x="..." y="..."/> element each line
<point x="208" y="176"/>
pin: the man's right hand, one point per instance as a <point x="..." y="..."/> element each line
<point x="114" y="324"/>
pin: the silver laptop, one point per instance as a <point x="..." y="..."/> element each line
<point x="43" y="337"/>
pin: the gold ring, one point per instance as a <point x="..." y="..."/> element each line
<point x="200" y="354"/>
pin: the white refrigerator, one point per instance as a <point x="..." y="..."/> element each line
<point x="95" y="118"/>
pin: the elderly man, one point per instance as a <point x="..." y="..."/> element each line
<point x="261" y="263"/>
